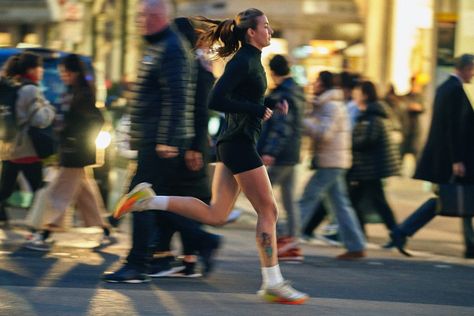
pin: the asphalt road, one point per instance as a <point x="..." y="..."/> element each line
<point x="66" y="281"/>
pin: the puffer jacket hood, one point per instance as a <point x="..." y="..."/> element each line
<point x="331" y="95"/>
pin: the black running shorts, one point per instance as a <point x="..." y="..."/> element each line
<point x="238" y="155"/>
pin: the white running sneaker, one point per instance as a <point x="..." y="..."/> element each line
<point x="134" y="200"/>
<point x="283" y="293"/>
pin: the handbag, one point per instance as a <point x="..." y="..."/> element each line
<point x="456" y="200"/>
<point x="42" y="139"/>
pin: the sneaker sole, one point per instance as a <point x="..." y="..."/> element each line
<point x="190" y="276"/>
<point x="37" y="248"/>
<point x="280" y="300"/>
<point x="128" y="281"/>
<point x="166" y="273"/>
<point x="330" y="241"/>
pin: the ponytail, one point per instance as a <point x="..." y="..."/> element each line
<point x="228" y="34"/>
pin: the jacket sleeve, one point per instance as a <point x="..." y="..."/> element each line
<point x="367" y="133"/>
<point x="31" y="102"/>
<point x="174" y="77"/>
<point x="221" y="97"/>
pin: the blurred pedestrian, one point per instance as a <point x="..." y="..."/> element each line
<point x="190" y="180"/>
<point x="414" y="107"/>
<point x="279" y="146"/>
<point x="31" y="109"/>
<point x="397" y="116"/>
<point x="329" y="129"/>
<point x="375" y="156"/>
<point x="78" y="131"/>
<point x="240" y="94"/>
<point x="162" y="128"/>
<point x="330" y="235"/>
<point x="448" y="154"/>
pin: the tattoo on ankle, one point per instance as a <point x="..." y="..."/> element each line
<point x="267" y="244"/>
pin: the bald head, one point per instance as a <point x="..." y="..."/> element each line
<point x="152" y="16"/>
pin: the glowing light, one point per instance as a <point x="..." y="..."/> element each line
<point x="103" y="140"/>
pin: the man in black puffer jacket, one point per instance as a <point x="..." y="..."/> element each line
<point x="162" y="128"/>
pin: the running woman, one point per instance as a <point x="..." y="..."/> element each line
<point x="240" y="94"/>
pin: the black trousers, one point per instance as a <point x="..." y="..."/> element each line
<point x="163" y="174"/>
<point x="33" y="173"/>
<point x="371" y="193"/>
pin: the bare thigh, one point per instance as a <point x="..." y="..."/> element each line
<point x="225" y="190"/>
<point x="257" y="188"/>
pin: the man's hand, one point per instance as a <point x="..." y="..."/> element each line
<point x="268" y="160"/>
<point x="165" y="151"/>
<point x="193" y="160"/>
<point x="459" y="170"/>
<point x="282" y="107"/>
<point x="268" y="114"/>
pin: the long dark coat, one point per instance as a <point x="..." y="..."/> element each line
<point x="82" y="123"/>
<point x="451" y="136"/>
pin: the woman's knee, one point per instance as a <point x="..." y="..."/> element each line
<point x="268" y="211"/>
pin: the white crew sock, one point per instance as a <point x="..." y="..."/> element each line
<point x="271" y="276"/>
<point x="159" y="202"/>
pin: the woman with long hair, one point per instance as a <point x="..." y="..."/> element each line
<point x="31" y="109"/>
<point x="240" y="94"/>
<point x="77" y="133"/>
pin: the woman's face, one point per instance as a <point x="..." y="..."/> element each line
<point x="260" y="36"/>
<point x="36" y="73"/>
<point x="359" y="98"/>
<point x="68" y="77"/>
<point x="318" y="87"/>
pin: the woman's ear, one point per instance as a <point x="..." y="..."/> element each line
<point x="250" y="32"/>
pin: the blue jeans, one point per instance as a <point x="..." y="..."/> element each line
<point x="284" y="176"/>
<point x="331" y="183"/>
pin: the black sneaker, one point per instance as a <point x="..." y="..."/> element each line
<point x="114" y="222"/>
<point x="208" y="253"/>
<point x="163" y="267"/>
<point x="126" y="274"/>
<point x="188" y="272"/>
<point x="37" y="242"/>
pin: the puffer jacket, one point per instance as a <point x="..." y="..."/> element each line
<point x="375" y="155"/>
<point x="161" y="109"/>
<point x="30" y="100"/>
<point x="281" y="134"/>
<point x="329" y="127"/>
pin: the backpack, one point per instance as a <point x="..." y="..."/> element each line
<point x="8" y="96"/>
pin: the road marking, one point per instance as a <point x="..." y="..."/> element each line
<point x="375" y="263"/>
<point x="443" y="266"/>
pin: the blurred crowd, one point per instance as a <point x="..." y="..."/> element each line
<point x="359" y="137"/>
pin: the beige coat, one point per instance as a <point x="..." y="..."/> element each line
<point x="30" y="99"/>
<point x="329" y="127"/>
